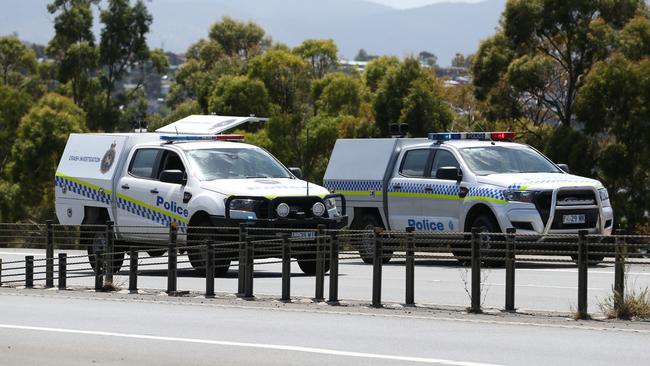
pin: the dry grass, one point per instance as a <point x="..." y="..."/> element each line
<point x="631" y="305"/>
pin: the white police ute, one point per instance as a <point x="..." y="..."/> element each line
<point x="454" y="181"/>
<point x="187" y="173"/>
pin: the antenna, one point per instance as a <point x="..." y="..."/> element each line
<point x="307" y="130"/>
<point x="176" y="128"/>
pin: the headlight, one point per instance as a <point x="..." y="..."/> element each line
<point x="283" y="210"/>
<point x="520" y="196"/>
<point x="242" y="204"/>
<point x="604" y="195"/>
<point x="318" y="209"/>
<point x="330" y="203"/>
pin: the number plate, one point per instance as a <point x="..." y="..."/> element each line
<point x="303" y="234"/>
<point x="573" y="219"/>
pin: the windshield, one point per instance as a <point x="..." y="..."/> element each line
<point x="487" y="160"/>
<point x="235" y="163"/>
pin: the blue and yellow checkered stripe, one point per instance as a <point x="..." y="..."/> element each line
<point x="409" y="189"/>
<point x="142" y="209"/>
<point x="535" y="182"/>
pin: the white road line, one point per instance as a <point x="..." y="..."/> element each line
<point x="23" y="253"/>
<point x="546" y="286"/>
<point x="324" y="351"/>
<point x="576" y="271"/>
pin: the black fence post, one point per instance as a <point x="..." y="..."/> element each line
<point x="209" y="269"/>
<point x="172" y="262"/>
<point x="476" y="271"/>
<point x="0" y="272"/>
<point x="619" y="270"/>
<point x="29" y="271"/>
<point x="334" y="268"/>
<point x="286" y="267"/>
<point x="49" y="255"/>
<point x="510" y="269"/>
<point x="320" y="263"/>
<point x="133" y="271"/>
<point x="583" y="251"/>
<point x="99" y="265"/>
<point x="241" y="274"/>
<point x="110" y="251"/>
<point x="249" y="269"/>
<point x="63" y="265"/>
<point x="410" y="267"/>
<point x="377" y="261"/>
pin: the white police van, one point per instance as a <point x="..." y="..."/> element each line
<point x="187" y="173"/>
<point x="456" y="181"/>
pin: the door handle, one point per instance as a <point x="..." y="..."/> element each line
<point x="154" y="191"/>
<point x="397" y="187"/>
<point x="125" y="186"/>
<point x="463" y="192"/>
<point x="428" y="189"/>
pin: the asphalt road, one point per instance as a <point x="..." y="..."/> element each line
<point x="540" y="286"/>
<point x="55" y="328"/>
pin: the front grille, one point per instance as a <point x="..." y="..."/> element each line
<point x="300" y="207"/>
<point x="568" y="198"/>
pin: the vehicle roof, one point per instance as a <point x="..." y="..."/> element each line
<point x="196" y="145"/>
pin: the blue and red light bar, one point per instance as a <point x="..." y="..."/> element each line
<point x="484" y="136"/>
<point x="202" y="138"/>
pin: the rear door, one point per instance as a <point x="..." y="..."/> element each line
<point x="407" y="188"/>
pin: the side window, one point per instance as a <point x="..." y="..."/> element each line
<point x="414" y="163"/>
<point x="170" y="161"/>
<point x="143" y="163"/>
<point x="443" y="158"/>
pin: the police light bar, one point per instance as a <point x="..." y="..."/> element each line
<point x="485" y="136"/>
<point x="202" y="138"/>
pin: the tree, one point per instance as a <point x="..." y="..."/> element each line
<point x="239" y="96"/>
<point x="545" y="47"/>
<point x="320" y="53"/>
<point x="73" y="45"/>
<point x="423" y="109"/>
<point x="286" y="77"/>
<point x="362" y="55"/>
<point x="123" y="44"/>
<point x="377" y="69"/>
<point x="40" y="139"/>
<point x="14" y="104"/>
<point x="428" y="59"/>
<point x="338" y="93"/>
<point x="237" y="38"/>
<point x="16" y="61"/>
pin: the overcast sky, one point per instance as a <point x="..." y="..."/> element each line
<point x="404" y="4"/>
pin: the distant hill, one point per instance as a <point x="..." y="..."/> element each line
<point x="443" y="28"/>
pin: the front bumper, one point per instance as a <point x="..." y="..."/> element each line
<point x="309" y="223"/>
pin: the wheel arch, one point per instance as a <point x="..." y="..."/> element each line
<point x="476" y="211"/>
<point x="95" y="215"/>
<point x="360" y="212"/>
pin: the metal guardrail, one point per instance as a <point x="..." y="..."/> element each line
<point x="210" y="250"/>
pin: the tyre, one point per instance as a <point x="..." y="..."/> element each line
<point x="95" y="242"/>
<point x="367" y="245"/>
<point x="156" y="252"/>
<point x="307" y="264"/>
<point x="197" y="255"/>
<point x="488" y="224"/>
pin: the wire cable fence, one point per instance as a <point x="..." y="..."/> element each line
<point x="210" y="251"/>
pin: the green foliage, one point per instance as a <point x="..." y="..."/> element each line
<point x="317" y="138"/>
<point x="635" y="38"/>
<point x="424" y="110"/>
<point x="239" y="96"/>
<point x="286" y="77"/>
<point x="40" y="139"/>
<point x="321" y="55"/>
<point x="338" y="93"/>
<point x="237" y="38"/>
<point x="17" y="61"/>
<point x="14" y="104"/>
<point x="377" y="69"/>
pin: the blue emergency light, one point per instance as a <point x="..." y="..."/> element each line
<point x="484" y="136"/>
<point x="202" y="138"/>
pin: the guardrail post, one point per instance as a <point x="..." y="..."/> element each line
<point x="110" y="249"/>
<point x="133" y="271"/>
<point x="476" y="271"/>
<point x="99" y="264"/>
<point x="49" y="255"/>
<point x="209" y="269"/>
<point x="619" y="270"/>
<point x="583" y="251"/>
<point x="0" y="272"/>
<point x="410" y="267"/>
<point x="63" y="264"/>
<point x="510" y="269"/>
<point x="241" y="274"/>
<point x="249" y="271"/>
<point x="320" y="263"/>
<point x="377" y="269"/>
<point x="29" y="271"/>
<point x="172" y="263"/>
<point x="286" y="267"/>
<point x="334" y="268"/>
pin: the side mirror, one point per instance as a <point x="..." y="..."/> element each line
<point x="565" y="168"/>
<point x="449" y="173"/>
<point x="173" y="176"/>
<point x="297" y="172"/>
